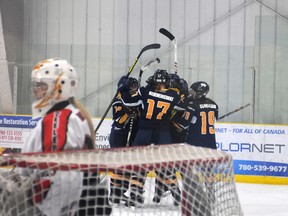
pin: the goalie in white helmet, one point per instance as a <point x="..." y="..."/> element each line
<point x="65" y="125"/>
<point x="53" y="81"/>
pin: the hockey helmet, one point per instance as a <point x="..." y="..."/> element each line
<point x="53" y="81"/>
<point x="161" y="77"/>
<point x="150" y="80"/>
<point x="174" y="81"/>
<point x="183" y="86"/>
<point x="133" y="83"/>
<point x="127" y="83"/>
<point x="199" y="89"/>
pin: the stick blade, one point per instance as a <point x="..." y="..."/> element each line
<point x="150" y="46"/>
<point x="150" y="63"/>
<point x="167" y="33"/>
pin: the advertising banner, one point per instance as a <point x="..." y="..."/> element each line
<point x="257" y="150"/>
<point x="14" y="130"/>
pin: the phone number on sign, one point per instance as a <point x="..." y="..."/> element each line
<point x="263" y="168"/>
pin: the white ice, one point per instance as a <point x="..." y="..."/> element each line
<point x="255" y="199"/>
<point x="263" y="199"/>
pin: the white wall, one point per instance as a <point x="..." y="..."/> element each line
<point x="218" y="41"/>
<point x="5" y="89"/>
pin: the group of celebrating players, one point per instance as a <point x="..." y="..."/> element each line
<point x="164" y="111"/>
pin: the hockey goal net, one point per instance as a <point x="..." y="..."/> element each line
<point x="53" y="183"/>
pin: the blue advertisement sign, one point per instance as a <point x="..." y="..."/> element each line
<point x="260" y="168"/>
<point x="18" y="121"/>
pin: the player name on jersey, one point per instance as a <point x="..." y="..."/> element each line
<point x="203" y="106"/>
<point x="158" y="95"/>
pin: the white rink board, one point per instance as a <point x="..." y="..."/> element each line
<point x="258" y="150"/>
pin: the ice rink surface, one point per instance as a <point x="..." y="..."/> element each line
<point x="264" y="200"/>
<point x="255" y="199"/>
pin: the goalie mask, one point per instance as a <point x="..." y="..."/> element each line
<point x="53" y="81"/>
<point x="199" y="89"/>
<point x="161" y="77"/>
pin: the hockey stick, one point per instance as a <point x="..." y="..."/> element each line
<point x="174" y="41"/>
<point x="234" y="111"/>
<point x="133" y="116"/>
<point x="145" y="67"/>
<point x="148" y="47"/>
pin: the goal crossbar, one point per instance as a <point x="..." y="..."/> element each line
<point x="148" y="158"/>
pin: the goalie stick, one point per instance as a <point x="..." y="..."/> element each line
<point x="148" y="47"/>
<point x="234" y="111"/>
<point x="174" y="41"/>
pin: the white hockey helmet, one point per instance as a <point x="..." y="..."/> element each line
<point x="53" y="81"/>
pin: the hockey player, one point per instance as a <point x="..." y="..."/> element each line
<point x="65" y="125"/>
<point x="122" y="116"/>
<point x="122" y="134"/>
<point x="178" y="128"/>
<point x="157" y="102"/>
<point x="178" y="131"/>
<point x="202" y="114"/>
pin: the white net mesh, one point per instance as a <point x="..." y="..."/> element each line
<point x="176" y="179"/>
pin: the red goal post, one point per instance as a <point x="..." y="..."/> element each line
<point x="206" y="175"/>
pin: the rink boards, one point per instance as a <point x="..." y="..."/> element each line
<point x="259" y="151"/>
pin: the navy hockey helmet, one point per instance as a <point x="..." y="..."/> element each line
<point x="128" y="83"/>
<point x="150" y="80"/>
<point x="199" y="89"/>
<point x="123" y="81"/>
<point x="161" y="77"/>
<point x="174" y="81"/>
<point x="183" y="86"/>
<point x="133" y="83"/>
